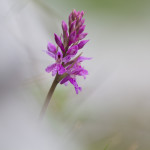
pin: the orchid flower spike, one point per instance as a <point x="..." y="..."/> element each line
<point x="67" y="65"/>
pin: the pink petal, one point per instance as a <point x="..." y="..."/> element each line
<point x="82" y="36"/>
<point x="72" y="50"/>
<point x="77" y="89"/>
<point x="82" y="58"/>
<point x="59" y="56"/>
<point x="49" y="53"/>
<point x="50" y="68"/>
<point x="61" y="69"/>
<point x="54" y="72"/>
<point x="81" y="29"/>
<point x="65" y="79"/>
<point x="73" y="82"/>
<point x="51" y="48"/>
<point x="66" y="59"/>
<point x="66" y="83"/>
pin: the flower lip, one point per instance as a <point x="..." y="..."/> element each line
<point x="59" y="56"/>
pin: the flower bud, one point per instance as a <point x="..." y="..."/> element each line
<point x="59" y="42"/>
<point x="82" y="36"/>
<point x="82" y="43"/>
<point x="64" y="26"/>
<point x="81" y="29"/>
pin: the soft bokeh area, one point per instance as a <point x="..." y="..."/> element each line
<point x="113" y="110"/>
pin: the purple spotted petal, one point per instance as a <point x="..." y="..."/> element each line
<point x="82" y="58"/>
<point x="61" y="69"/>
<point x="49" y="53"/>
<point x="65" y="79"/>
<point x="77" y="89"/>
<point x="66" y="83"/>
<point x="51" y="48"/>
<point x="83" y="73"/>
<point x="74" y="83"/>
<point x="78" y="70"/>
<point x="66" y="59"/>
<point x="50" y="68"/>
<point x="72" y="51"/>
<point x="59" y="57"/>
<point x="54" y="72"/>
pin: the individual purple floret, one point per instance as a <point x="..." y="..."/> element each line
<point x="66" y="64"/>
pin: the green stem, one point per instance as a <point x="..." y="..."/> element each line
<point x="48" y="98"/>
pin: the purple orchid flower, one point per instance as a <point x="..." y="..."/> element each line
<point x="67" y="48"/>
<point x="56" y="67"/>
<point x="74" y="71"/>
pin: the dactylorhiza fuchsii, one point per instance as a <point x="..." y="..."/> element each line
<point x="68" y="46"/>
<point x="67" y="64"/>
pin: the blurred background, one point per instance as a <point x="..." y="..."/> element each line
<point x="113" y="110"/>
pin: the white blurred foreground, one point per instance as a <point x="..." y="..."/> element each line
<point x="113" y="107"/>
